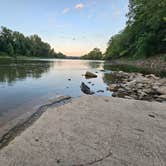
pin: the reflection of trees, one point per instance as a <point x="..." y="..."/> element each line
<point x="111" y="78"/>
<point x="125" y="68"/>
<point x="11" y="71"/>
<point x="95" y="64"/>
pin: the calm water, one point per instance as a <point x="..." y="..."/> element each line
<point x="23" y="84"/>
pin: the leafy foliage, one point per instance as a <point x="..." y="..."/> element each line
<point x="95" y="54"/>
<point x="15" y="43"/>
<point x="145" y="31"/>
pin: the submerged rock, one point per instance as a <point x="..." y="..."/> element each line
<point x="90" y="75"/>
<point x="86" y="89"/>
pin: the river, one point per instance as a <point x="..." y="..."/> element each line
<point x="27" y="84"/>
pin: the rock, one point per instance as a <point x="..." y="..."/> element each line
<point x="100" y="91"/>
<point x="141" y="79"/>
<point x="151" y="115"/>
<point x="141" y="95"/>
<point x="90" y="75"/>
<point x="138" y="86"/>
<point x="114" y="94"/>
<point x="162" y="90"/>
<point x="152" y="76"/>
<point x="162" y="97"/>
<point x="162" y="81"/>
<point x="69" y="79"/>
<point x="86" y="89"/>
<point x="131" y="84"/>
<point x="128" y="97"/>
<point x="113" y="87"/>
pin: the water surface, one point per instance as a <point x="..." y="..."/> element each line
<point x="23" y="83"/>
<point x="27" y="84"/>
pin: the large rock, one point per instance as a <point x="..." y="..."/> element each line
<point x="90" y="75"/>
<point x="86" y="89"/>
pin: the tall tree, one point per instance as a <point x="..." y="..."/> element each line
<point x="145" y="32"/>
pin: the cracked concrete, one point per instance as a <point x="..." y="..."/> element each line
<point x="95" y="131"/>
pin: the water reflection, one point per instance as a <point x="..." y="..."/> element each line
<point x="19" y="70"/>
<point x="130" y="69"/>
<point x="111" y="79"/>
<point x="33" y="80"/>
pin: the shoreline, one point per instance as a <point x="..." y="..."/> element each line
<point x="21" y="126"/>
<point x="155" y="64"/>
<point x="138" y="86"/>
<point x="92" y="130"/>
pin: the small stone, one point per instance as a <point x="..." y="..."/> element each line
<point x="128" y="97"/>
<point x="113" y="87"/>
<point x="36" y="139"/>
<point x="162" y="97"/>
<point x="152" y="116"/>
<point x="152" y="76"/>
<point x="162" y="90"/>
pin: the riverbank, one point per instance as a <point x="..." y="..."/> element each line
<point x="155" y="63"/>
<point x="93" y="130"/>
<point x="138" y="86"/>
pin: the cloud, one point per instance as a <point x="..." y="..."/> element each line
<point x="79" y="6"/>
<point x="65" y="10"/>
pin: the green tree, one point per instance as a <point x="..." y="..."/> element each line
<point x="15" y="43"/>
<point x="145" y="31"/>
<point x="10" y="49"/>
<point x="95" y="54"/>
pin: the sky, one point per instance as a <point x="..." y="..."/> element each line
<point x="73" y="27"/>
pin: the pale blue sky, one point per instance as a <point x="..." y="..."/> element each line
<point x="70" y="26"/>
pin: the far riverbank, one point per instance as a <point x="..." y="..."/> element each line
<point x="155" y="64"/>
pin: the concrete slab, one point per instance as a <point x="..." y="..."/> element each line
<point x="93" y="130"/>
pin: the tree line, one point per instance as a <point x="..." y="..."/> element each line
<point x="95" y="54"/>
<point x="145" y="31"/>
<point x="13" y="43"/>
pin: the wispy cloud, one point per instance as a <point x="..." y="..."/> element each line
<point x="79" y="6"/>
<point x="66" y="10"/>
